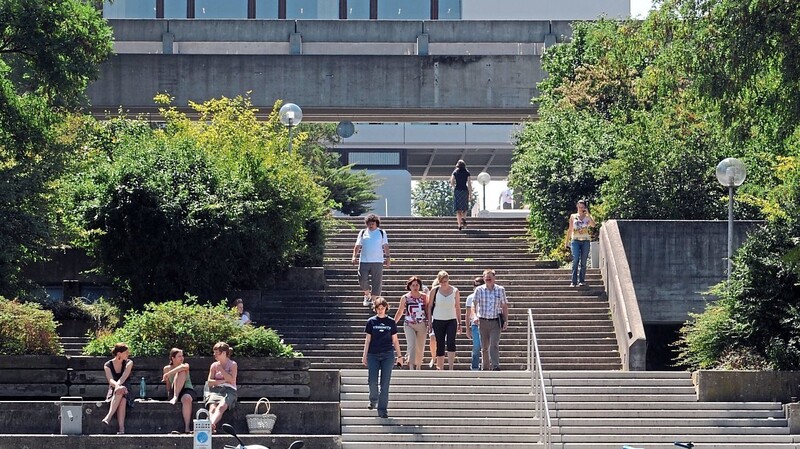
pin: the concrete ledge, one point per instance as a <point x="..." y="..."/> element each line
<point x="160" y="417"/>
<point x="792" y="412"/>
<point x="46" y="377"/>
<point x="325" y="385"/>
<point x="159" y="441"/>
<point x="746" y="386"/>
<point x="303" y="278"/>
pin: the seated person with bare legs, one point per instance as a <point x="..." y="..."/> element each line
<point x="222" y="384"/>
<point x="118" y="372"/>
<point x="179" y="386"/>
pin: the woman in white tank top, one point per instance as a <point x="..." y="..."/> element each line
<point x="445" y="310"/>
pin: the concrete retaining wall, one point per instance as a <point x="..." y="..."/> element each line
<point x="746" y="386"/>
<point x="672" y="263"/>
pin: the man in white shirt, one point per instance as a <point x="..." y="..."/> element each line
<point x="373" y="246"/>
<point x="490" y="305"/>
<point x="507" y="199"/>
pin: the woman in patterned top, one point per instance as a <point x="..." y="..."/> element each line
<point x="413" y="305"/>
<point x="222" y="384"/>
<point x="579" y="224"/>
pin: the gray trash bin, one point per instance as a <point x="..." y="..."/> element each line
<point x="71" y="415"/>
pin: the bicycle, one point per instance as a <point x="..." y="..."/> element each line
<point x="688" y="445"/>
<point x="227" y="428"/>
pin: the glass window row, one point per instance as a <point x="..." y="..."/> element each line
<point x="284" y="9"/>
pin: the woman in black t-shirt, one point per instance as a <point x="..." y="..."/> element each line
<point x="462" y="192"/>
<point x="381" y="352"/>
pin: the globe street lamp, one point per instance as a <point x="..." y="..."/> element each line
<point x="731" y="173"/>
<point x="290" y="115"/>
<point x="483" y="179"/>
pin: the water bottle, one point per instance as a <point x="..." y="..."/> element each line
<point x="142" y="388"/>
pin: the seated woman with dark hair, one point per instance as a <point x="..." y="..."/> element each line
<point x="118" y="372"/>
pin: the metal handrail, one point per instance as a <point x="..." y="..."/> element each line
<point x="537" y="386"/>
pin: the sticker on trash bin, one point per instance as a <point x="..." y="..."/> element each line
<point x="202" y="437"/>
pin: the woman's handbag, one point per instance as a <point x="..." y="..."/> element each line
<point x="261" y="422"/>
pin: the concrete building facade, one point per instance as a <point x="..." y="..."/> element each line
<point x="428" y="82"/>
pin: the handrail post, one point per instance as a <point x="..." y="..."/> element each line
<point x="538" y="388"/>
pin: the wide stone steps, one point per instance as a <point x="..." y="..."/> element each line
<point x="573" y="326"/>
<point x="595" y="409"/>
<point x="441" y="409"/>
<point x="73" y="345"/>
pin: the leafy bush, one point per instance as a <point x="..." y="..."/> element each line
<point x="556" y="163"/>
<point x="101" y="313"/>
<point x="202" y="207"/>
<point x="760" y="314"/>
<point x="190" y="326"/>
<point x="26" y="329"/>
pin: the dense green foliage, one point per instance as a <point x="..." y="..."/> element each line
<point x="26" y="329"/>
<point x="192" y="327"/>
<point x="200" y="207"/>
<point x="49" y="51"/>
<point x="756" y="324"/>
<point x="635" y="115"/>
<point x="619" y="128"/>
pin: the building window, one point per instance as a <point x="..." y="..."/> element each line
<point x="267" y="9"/>
<point x="404" y="9"/>
<point x="220" y="9"/>
<point x="374" y="159"/>
<point x="175" y="9"/>
<point x="358" y="9"/>
<point x="449" y="10"/>
<point x="284" y="9"/>
<point x="130" y="9"/>
<point x="312" y="9"/>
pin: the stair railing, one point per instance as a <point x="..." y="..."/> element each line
<point x="537" y="386"/>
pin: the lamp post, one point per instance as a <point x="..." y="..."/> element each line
<point x="483" y="179"/>
<point x="290" y="115"/>
<point x="731" y="173"/>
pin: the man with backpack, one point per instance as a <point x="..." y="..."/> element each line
<point x="373" y="246"/>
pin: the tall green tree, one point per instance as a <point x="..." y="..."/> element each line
<point x="49" y="51"/>
<point x="201" y="207"/>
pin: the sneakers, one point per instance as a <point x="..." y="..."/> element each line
<point x="383" y="414"/>
<point x="372" y="405"/>
<point x="572" y="285"/>
<point x="367" y="301"/>
<point x="580" y="284"/>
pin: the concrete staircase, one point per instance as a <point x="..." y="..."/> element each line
<point x="441" y="409"/>
<point x="73" y="345"/>
<point x="651" y="410"/>
<point x="593" y="404"/>
<point x="573" y="324"/>
<point x="589" y="410"/>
